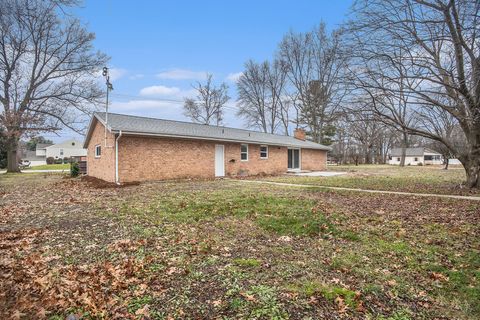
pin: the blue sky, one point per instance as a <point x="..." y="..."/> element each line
<point x="158" y="49"/>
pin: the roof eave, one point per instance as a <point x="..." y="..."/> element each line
<point x="91" y="126"/>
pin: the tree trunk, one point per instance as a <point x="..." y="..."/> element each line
<point x="445" y="161"/>
<point x="471" y="163"/>
<point x="404" y="149"/>
<point x="12" y="161"/>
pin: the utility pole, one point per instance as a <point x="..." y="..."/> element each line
<point x="109" y="88"/>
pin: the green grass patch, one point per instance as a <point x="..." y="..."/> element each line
<point x="65" y="166"/>
<point x="329" y="292"/>
<point x="397" y="315"/>
<point x="349" y="235"/>
<point x="249" y="263"/>
<point x="138" y="303"/>
<point x="296" y="225"/>
<point x="278" y="214"/>
<point x="259" y="302"/>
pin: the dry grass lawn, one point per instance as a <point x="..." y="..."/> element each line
<point x="228" y="250"/>
<point x="420" y="179"/>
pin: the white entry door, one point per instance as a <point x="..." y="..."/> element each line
<point x="219" y="160"/>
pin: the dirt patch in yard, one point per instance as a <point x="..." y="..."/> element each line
<point x="102" y="184"/>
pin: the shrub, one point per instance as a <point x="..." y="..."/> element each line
<point x="420" y="164"/>
<point x="58" y="161"/>
<point x="67" y="160"/>
<point x="74" y="169"/>
<point x="50" y="160"/>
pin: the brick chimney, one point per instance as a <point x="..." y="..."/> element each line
<point x="299" y="134"/>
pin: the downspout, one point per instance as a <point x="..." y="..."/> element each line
<point x="116" y="157"/>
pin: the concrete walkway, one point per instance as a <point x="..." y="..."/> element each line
<point x="430" y="195"/>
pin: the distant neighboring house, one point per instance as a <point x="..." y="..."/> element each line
<point x="66" y="149"/>
<point x="454" y="161"/>
<point x="33" y="159"/>
<point x="415" y="156"/>
<point x="41" y="150"/>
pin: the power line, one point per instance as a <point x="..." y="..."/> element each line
<point x="175" y="101"/>
<point x="123" y="95"/>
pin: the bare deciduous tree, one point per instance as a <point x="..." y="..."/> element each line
<point x="261" y="98"/>
<point x="436" y="45"/>
<point x="314" y="67"/>
<point x="209" y="104"/>
<point x="47" y="70"/>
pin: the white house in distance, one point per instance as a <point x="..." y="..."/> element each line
<point x="66" y="149"/>
<point x="415" y="156"/>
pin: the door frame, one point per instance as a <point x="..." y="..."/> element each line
<point x="223" y="160"/>
<point x="299" y="159"/>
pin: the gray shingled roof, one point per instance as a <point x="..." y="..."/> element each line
<point x="43" y="145"/>
<point x="411" y="152"/>
<point x="159" y="127"/>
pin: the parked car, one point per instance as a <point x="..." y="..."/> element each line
<point x="24" y="164"/>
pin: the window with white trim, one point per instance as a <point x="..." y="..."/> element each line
<point x="98" y="151"/>
<point x="244" y="152"/>
<point x="263" y="152"/>
<point x="61" y="152"/>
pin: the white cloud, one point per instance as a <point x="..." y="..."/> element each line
<point x="182" y="74"/>
<point x="150" y="108"/>
<point x="139" y="105"/>
<point x="136" y="76"/>
<point x="233" y="77"/>
<point x="167" y="110"/>
<point x="160" y="91"/>
<point x="167" y="92"/>
<point x="116" y="73"/>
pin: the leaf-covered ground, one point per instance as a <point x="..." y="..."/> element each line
<point x="419" y="179"/>
<point x="229" y="250"/>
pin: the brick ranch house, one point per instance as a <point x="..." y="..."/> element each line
<point x="131" y="148"/>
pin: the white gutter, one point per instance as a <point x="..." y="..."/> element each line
<point x="116" y="157"/>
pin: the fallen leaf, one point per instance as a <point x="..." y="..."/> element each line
<point x="437" y="276"/>
<point x="341" y="306"/>
<point x="144" y="311"/>
<point x="392" y="282"/>
<point x="248" y="297"/>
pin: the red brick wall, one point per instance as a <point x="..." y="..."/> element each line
<point x="313" y="159"/>
<point x="152" y="158"/>
<point x="103" y="167"/>
<point x="275" y="164"/>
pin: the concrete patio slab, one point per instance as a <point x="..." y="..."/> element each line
<point x="317" y="174"/>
